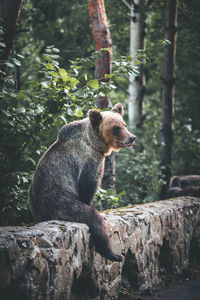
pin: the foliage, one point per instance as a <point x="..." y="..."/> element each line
<point x="105" y="199"/>
<point x="31" y="118"/>
<point x="137" y="169"/>
<point x="43" y="23"/>
<point x="186" y="149"/>
<point x="47" y="88"/>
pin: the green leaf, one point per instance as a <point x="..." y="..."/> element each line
<point x="16" y="62"/>
<point x="122" y="193"/>
<point x="66" y="91"/>
<point x="64" y="119"/>
<point x="107" y="76"/>
<point x="39" y="109"/>
<point x="2" y="45"/>
<point x="50" y="66"/>
<point x="93" y="84"/>
<point x="129" y="58"/>
<point x="56" y="50"/>
<point x="70" y="112"/>
<point x="166" y="42"/>
<point x="55" y="74"/>
<point x="11" y="123"/>
<point x="73" y="80"/>
<point x="24" y="179"/>
<point x="20" y="56"/>
<point x="136" y="61"/>
<point x="79" y="112"/>
<point x="9" y="64"/>
<point x="44" y="84"/>
<point x="20" y="110"/>
<point x="7" y="113"/>
<point x="63" y="74"/>
<point x="112" y="86"/>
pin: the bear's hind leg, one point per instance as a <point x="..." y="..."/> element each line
<point x="82" y="213"/>
<point x="101" y="240"/>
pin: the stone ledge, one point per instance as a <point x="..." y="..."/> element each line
<point x="55" y="259"/>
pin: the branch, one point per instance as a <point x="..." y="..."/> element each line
<point x="127" y="4"/>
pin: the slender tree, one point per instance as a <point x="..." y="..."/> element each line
<point x="101" y="35"/>
<point x="10" y="17"/>
<point x="168" y="90"/>
<point x="137" y="12"/>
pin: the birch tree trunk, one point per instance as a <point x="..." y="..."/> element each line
<point x="10" y="16"/>
<point x="168" y="90"/>
<point x="101" y="35"/>
<point x="137" y="42"/>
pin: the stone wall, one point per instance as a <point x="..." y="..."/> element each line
<point x="55" y="259"/>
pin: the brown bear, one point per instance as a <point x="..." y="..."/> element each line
<point x="69" y="173"/>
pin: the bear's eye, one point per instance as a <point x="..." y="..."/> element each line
<point x="116" y="129"/>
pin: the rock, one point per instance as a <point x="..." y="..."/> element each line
<point x="55" y="259"/>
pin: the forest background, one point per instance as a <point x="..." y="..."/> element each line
<point x="50" y="82"/>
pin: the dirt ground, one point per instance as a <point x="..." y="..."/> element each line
<point x="182" y="287"/>
<point x="185" y="290"/>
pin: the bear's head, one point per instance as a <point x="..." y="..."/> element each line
<point x="111" y="128"/>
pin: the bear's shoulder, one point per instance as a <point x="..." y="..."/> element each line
<point x="72" y="130"/>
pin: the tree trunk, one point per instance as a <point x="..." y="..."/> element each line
<point x="137" y="42"/>
<point x="101" y="35"/>
<point x="168" y="91"/>
<point x="10" y="16"/>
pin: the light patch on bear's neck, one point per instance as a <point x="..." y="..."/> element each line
<point x="110" y="150"/>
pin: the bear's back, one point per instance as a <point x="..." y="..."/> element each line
<point x="74" y="130"/>
<point x="58" y="171"/>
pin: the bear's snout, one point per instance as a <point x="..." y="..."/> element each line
<point x="128" y="140"/>
<point x="132" y="139"/>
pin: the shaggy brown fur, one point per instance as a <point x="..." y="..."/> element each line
<point x="69" y="173"/>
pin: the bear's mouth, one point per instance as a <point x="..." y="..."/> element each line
<point x="126" y="145"/>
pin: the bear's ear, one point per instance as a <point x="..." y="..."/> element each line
<point x="118" y="109"/>
<point x="95" y="117"/>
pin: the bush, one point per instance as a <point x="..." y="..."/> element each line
<point x="31" y="118"/>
